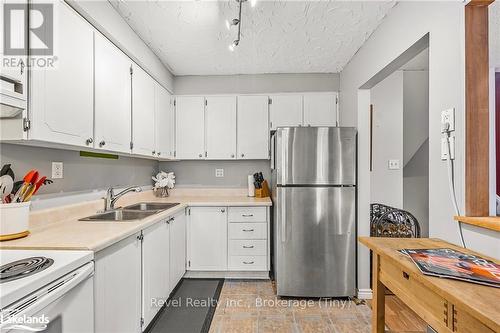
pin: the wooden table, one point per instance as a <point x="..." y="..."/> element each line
<point x="446" y="305"/>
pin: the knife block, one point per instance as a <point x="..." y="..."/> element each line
<point x="262" y="192"/>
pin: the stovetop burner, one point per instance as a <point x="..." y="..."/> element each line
<point x="24" y="267"/>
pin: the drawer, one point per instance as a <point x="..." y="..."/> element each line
<point x="248" y="231"/>
<point x="247" y="214"/>
<point x="431" y="307"/>
<point x="248" y="247"/>
<point x="248" y="263"/>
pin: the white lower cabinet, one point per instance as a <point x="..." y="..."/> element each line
<point x="155" y="269"/>
<point x="117" y="287"/>
<point x="207" y="239"/>
<point x="177" y="248"/>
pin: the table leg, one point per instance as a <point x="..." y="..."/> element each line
<point x="378" y="301"/>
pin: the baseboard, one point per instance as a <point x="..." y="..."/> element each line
<point x="261" y="275"/>
<point x="365" y="294"/>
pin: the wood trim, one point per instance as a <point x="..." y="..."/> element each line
<point x="489" y="222"/>
<point x="480" y="2"/>
<point x="477" y="109"/>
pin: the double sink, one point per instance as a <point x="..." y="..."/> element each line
<point x="133" y="212"/>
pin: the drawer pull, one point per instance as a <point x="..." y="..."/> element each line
<point x="247" y="215"/>
<point x="248" y="247"/>
<point x="248" y="230"/>
<point x="406" y="275"/>
<point x="249" y="262"/>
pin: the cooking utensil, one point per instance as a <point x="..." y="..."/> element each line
<point x="32" y="174"/>
<point x="28" y="193"/>
<point x="6" y="184"/>
<point x="6" y="170"/>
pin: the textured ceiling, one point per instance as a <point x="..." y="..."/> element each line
<point x="190" y="37"/>
<point x="494" y="10"/>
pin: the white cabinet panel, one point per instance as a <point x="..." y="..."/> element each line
<point x="143" y="112"/>
<point x="247" y="230"/>
<point x="253" y="127"/>
<point x="220" y="132"/>
<point x="285" y="110"/>
<point x="155" y="269"/>
<point x="177" y="248"/>
<point x="248" y="263"/>
<point x="207" y="239"/>
<point x="112" y="97"/>
<point x="164" y="123"/>
<point x="190" y="127"/>
<point x="117" y="287"/>
<point x="62" y="97"/>
<point x="320" y="109"/>
<point x="248" y="247"/>
<point x="247" y="214"/>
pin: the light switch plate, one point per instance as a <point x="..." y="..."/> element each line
<point x="219" y="173"/>
<point x="448" y="117"/>
<point x="444" y="149"/>
<point x="394" y="165"/>
<point x="57" y="170"/>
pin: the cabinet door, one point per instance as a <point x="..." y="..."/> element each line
<point x="164" y="123"/>
<point x="62" y="98"/>
<point x="190" y="127"/>
<point x="207" y="239"/>
<point x="220" y="134"/>
<point x="112" y="97"/>
<point x="143" y="112"/>
<point x="320" y="109"/>
<point x="285" y="110"/>
<point x="117" y="287"/>
<point x="155" y="269"/>
<point x="253" y="127"/>
<point x="177" y="249"/>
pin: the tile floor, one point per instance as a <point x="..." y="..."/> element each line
<point x="253" y="307"/>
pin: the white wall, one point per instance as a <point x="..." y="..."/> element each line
<point x="104" y="17"/>
<point x="407" y="23"/>
<point x="387" y="100"/>
<point x="255" y="84"/>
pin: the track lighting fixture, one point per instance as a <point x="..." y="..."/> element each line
<point x="237" y="22"/>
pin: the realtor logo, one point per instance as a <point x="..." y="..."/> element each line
<point x="38" y="20"/>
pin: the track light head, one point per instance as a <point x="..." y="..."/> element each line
<point x="232" y="47"/>
<point x="234" y="22"/>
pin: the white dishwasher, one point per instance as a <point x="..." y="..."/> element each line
<point x="46" y="291"/>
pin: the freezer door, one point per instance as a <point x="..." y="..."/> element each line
<point x="315" y="155"/>
<point x="315" y="241"/>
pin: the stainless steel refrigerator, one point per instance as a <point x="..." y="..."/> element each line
<point x="314" y="195"/>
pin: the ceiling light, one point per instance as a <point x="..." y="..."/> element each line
<point x="252" y="3"/>
<point x="233" y="45"/>
<point x="229" y="24"/>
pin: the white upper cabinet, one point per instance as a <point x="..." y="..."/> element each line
<point x="190" y="127"/>
<point x="207" y="239"/>
<point x="143" y="112"/>
<point x="62" y="97"/>
<point x="285" y="110"/>
<point x="320" y="109"/>
<point x="155" y="269"/>
<point x="220" y="119"/>
<point x="164" y="123"/>
<point x="112" y="97"/>
<point x="253" y="127"/>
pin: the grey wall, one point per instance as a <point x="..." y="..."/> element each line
<point x="255" y="84"/>
<point x="80" y="173"/>
<point x="202" y="173"/>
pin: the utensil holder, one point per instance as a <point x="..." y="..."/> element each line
<point x="14" y="220"/>
<point x="161" y="192"/>
<point x="262" y="192"/>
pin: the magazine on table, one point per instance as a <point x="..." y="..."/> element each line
<point x="457" y="265"/>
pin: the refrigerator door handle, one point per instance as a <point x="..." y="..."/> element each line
<point x="283" y="216"/>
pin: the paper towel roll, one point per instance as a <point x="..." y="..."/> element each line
<point x="251" y="187"/>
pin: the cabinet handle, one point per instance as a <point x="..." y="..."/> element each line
<point x="154" y="152"/>
<point x="22" y="67"/>
<point x="200" y="155"/>
<point x="242" y="155"/>
<point x="249" y="262"/>
<point x="232" y="155"/>
<point x="102" y="143"/>
<point x="247" y="215"/>
<point x="248" y="247"/>
<point x="248" y="230"/>
<point x="222" y="210"/>
<point x="158" y="153"/>
<point x="89" y="141"/>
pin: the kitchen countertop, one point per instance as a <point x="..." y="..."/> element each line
<point x="59" y="228"/>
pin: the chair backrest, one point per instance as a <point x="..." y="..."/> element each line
<point x="392" y="222"/>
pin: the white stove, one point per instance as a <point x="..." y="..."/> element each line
<point x="52" y="284"/>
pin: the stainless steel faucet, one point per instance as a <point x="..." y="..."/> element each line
<point x="111" y="197"/>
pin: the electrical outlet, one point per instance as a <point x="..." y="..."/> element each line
<point x="219" y="173"/>
<point x="444" y="148"/>
<point x="393" y="165"/>
<point x="57" y="170"/>
<point x="448" y="117"/>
